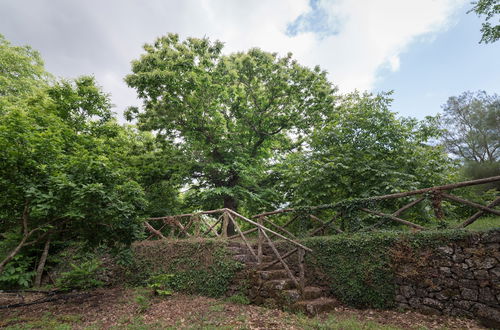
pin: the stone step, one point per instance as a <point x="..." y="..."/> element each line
<point x="316" y="306"/>
<point x="249" y="258"/>
<point x="256" y="266"/>
<point x="272" y="274"/>
<point x="245" y="258"/>
<point x="281" y="284"/>
<point x="310" y="292"/>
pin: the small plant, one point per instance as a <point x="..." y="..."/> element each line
<point x="81" y="277"/>
<point x="238" y="298"/>
<point x="142" y="302"/>
<point x="162" y="284"/>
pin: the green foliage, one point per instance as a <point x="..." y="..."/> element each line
<point x="198" y="267"/>
<point x="143" y="302"/>
<point x="365" y="150"/>
<point x="471" y="124"/>
<point x="61" y="167"/>
<point x="229" y="115"/>
<point x="359" y="267"/>
<point x="161" y="284"/>
<point x="82" y="276"/>
<point x="239" y="299"/>
<point x="22" y="72"/>
<point x="491" y="10"/>
<point x="18" y="273"/>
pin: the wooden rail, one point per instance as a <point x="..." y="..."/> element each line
<point x="215" y="222"/>
<point x="219" y="229"/>
<point x="434" y="194"/>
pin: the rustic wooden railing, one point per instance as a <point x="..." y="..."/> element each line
<point x="433" y="194"/>
<point x="216" y="224"/>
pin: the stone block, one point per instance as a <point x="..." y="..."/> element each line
<point x="463" y="304"/>
<point x="447" y="250"/>
<point x="486" y="295"/>
<point x="407" y="291"/>
<point x="481" y="274"/>
<point x="433" y="303"/>
<point x="469" y="294"/>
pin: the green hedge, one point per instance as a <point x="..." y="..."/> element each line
<point x="359" y="267"/>
<point x="200" y="267"/>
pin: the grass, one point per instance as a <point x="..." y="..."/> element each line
<point x="484" y="223"/>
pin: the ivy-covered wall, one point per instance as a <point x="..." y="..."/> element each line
<point x="198" y="266"/>
<point x="453" y="272"/>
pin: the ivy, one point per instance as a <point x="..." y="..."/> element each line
<point x="359" y="267"/>
<point x="196" y="267"/>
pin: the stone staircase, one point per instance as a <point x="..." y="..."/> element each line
<point x="272" y="286"/>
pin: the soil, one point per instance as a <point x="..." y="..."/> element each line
<point x="137" y="308"/>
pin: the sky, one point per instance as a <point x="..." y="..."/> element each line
<point x="423" y="50"/>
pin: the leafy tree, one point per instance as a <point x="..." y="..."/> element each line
<point x="229" y="115"/>
<point x="364" y="150"/>
<point x="59" y="178"/>
<point x="490" y="9"/>
<point x="471" y="124"/>
<point x="21" y="71"/>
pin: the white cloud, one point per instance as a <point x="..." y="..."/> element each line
<point x="102" y="37"/>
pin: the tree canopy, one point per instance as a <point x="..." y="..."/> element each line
<point x="228" y="114"/>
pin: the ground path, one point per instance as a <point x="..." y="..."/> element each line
<point x="135" y="309"/>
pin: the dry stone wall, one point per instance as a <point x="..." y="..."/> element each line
<point x="461" y="278"/>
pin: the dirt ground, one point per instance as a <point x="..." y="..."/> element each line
<point x="129" y="308"/>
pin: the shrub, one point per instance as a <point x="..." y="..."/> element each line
<point x="82" y="277"/>
<point x="17" y="273"/>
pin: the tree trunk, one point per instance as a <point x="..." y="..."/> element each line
<point x="41" y="264"/>
<point x="232" y="204"/>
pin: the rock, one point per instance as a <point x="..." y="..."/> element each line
<point x="486" y="263"/>
<point x="433" y="303"/>
<point x="493" y="237"/>
<point x="469" y="294"/>
<point x="461" y="312"/>
<point x="445" y="270"/>
<point x="463" y="304"/>
<point x="445" y="249"/>
<point x="469" y="262"/>
<point x="458" y="257"/>
<point x="495" y="272"/>
<point x="468" y="283"/>
<point x="400" y="299"/>
<point x="481" y="274"/>
<point x="488" y="316"/>
<point x="429" y="310"/>
<point x="486" y="295"/>
<point x="407" y="291"/>
<point x="414" y="302"/>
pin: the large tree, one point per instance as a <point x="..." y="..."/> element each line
<point x="61" y="178"/>
<point x="364" y="150"/>
<point x="228" y="114"/>
<point x="471" y="123"/>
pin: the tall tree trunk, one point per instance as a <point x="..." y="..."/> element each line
<point x="232" y="204"/>
<point x="41" y="264"/>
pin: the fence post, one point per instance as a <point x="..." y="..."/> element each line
<point x="302" y="278"/>
<point x="259" y="246"/>
<point x="225" y="223"/>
